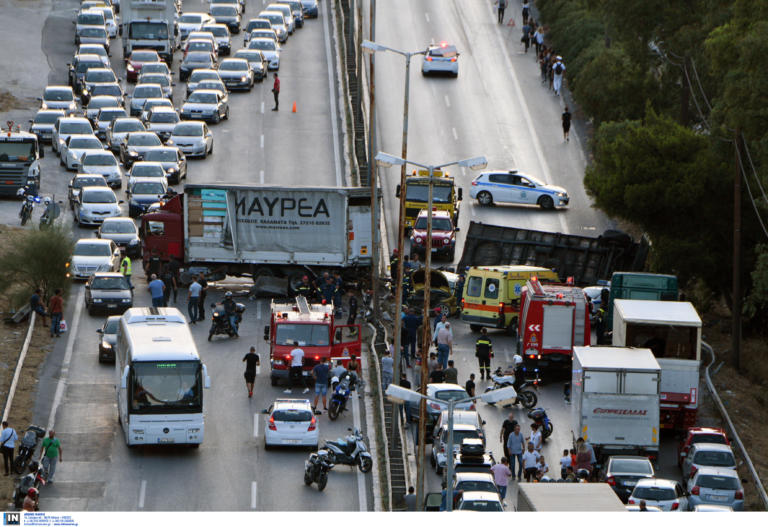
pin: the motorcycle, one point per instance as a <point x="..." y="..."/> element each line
<point x="316" y="469"/>
<point x="27" y="448"/>
<point x="525" y="396"/>
<point x="26" y="208"/>
<point x="350" y="450"/>
<point x="35" y="478"/>
<point x="341" y="390"/>
<point x="539" y="416"/>
<point x="220" y="320"/>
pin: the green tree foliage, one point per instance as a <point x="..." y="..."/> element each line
<point x="38" y="259"/>
<point x="756" y="306"/>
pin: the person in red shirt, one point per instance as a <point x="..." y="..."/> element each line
<point x="276" y="92"/>
<point x="56" y="309"/>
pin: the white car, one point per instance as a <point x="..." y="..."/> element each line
<point x="189" y="22"/>
<point x="512" y="187"/>
<point x="440" y="59"/>
<point x="146" y="170"/>
<point x="59" y="98"/>
<point x="77" y="145"/>
<point x="666" y="494"/>
<point x="201" y="75"/>
<point x="162" y="121"/>
<point x="255" y="59"/>
<point x="103" y="163"/>
<point x="95" y="49"/>
<point x="240" y="4"/>
<point x="291" y="422"/>
<point x="253" y="24"/>
<point x="66" y="126"/>
<point x="205" y="35"/>
<point x="157" y="78"/>
<point x="119" y="130"/>
<point x="270" y="49"/>
<point x="110" y="20"/>
<point x="151" y="103"/>
<point x="208" y="105"/>
<point x="92" y="255"/>
<point x="92" y="35"/>
<point x="155" y="67"/>
<point x="141" y="93"/>
<point x="445" y="392"/>
<point x="479" y="502"/>
<point x="277" y="21"/>
<point x="97" y="103"/>
<point x="95" y="204"/>
<point x="713" y="455"/>
<point x="285" y="10"/>
<point x="438" y="459"/>
<point x="83" y="180"/>
<point x="214" y="85"/>
<point x="716" y="486"/>
<point x="194" y="138"/>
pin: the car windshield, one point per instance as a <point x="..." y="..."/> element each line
<point x="714" y="459"/>
<point x="110" y="282"/>
<point x="110" y="328"/>
<point x="234" y="65"/>
<point x="111" y="115"/>
<point x="75" y="129"/>
<point x="92" y="49"/>
<point x="17" y="151"/>
<point x="654" y="493"/>
<point x="156" y="67"/>
<point x="198" y="76"/>
<point x="154" y="78"/>
<point x="84" y="142"/>
<point x="163" y="156"/>
<point x="274" y="19"/>
<point x="202" y="97"/>
<point x="190" y="19"/>
<point x="631" y="466"/>
<point x="212" y="85"/>
<point x="481" y="506"/>
<point x="149" y="188"/>
<point x="99" y="196"/>
<point x="147" y="171"/>
<point x="90" y="19"/>
<point x="451" y="395"/>
<point x="200" y="45"/>
<point x="292" y="415"/>
<point x="118" y="227"/>
<point x="81" y="182"/>
<point x="198" y="57"/>
<point x="479" y="486"/>
<point x="305" y="334"/>
<point x="263" y="33"/>
<point x="266" y="45"/>
<point x="443" y="51"/>
<point x="92" y="249"/>
<point x="148" y="30"/>
<point x="461" y="435"/>
<point x="708" y="438"/>
<point x="166" y="387"/>
<point x="83" y="67"/>
<point x="219" y="31"/>
<point x="128" y="126"/>
<point x="58" y="94"/>
<point x="93" y="32"/>
<point x="164" y="117"/>
<point x="258" y="24"/>
<point x="188" y="130"/>
<point x="144" y="56"/>
<point x="143" y="140"/>
<point x="438" y="224"/>
<point x="100" y="160"/>
<point x="46" y="118"/>
<point x="99" y="75"/>
<point x="101" y="102"/>
<point x="107" y="89"/>
<point x="419" y="192"/>
<point x="145" y="92"/>
<point x="708" y="481"/>
<point x="224" y="10"/>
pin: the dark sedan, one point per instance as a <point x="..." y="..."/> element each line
<point x="623" y="472"/>
<point x="195" y="60"/>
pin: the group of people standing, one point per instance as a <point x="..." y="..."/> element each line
<point x="55" y="309"/>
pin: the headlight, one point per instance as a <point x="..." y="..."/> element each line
<point x="138" y="431"/>
<point x="133" y="242"/>
<point x="418" y="240"/>
<point x="97" y="300"/>
<point x="106" y="345"/>
<point x="44" y="105"/>
<point x="244" y="78"/>
<point x="125" y="300"/>
<point x="561" y="194"/>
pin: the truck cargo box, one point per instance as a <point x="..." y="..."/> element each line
<point x="567" y="497"/>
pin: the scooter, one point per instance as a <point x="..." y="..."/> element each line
<point x="35" y="478"/>
<point x="341" y="391"/>
<point x="350" y="450"/>
<point x="525" y="396"/>
<point x="27" y="448"/>
<point x="539" y="416"/>
<point x="316" y="469"/>
<point x="220" y="320"/>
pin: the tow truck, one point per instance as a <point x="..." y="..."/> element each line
<point x="445" y="195"/>
<point x="311" y="327"/>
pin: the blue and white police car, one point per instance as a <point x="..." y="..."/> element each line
<point x="511" y="187"/>
<point x="442" y="58"/>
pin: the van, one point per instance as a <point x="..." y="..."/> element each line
<point x="492" y="294"/>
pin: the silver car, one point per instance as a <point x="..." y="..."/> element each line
<point x="172" y="160"/>
<point x="237" y="74"/>
<point x="157" y="78"/>
<point x="255" y="59"/>
<point x="43" y="123"/>
<point x="92" y="35"/>
<point x="97" y="103"/>
<point x="97" y="76"/>
<point x="141" y="93"/>
<point x="161" y="120"/>
<point x="189" y="22"/>
<point x="105" y="118"/>
<point x="207" y="105"/>
<point x="278" y="23"/>
<point x="83" y="180"/>
<point x="103" y="163"/>
<point x="194" y="138"/>
<point x="285" y="10"/>
<point x="270" y="49"/>
<point x="66" y="126"/>
<point x="222" y="37"/>
<point x="92" y="255"/>
<point x="77" y="145"/>
<point x="95" y="49"/>
<point x="120" y="128"/>
<point x="201" y="75"/>
<point x="58" y="98"/>
<point x="153" y="102"/>
<point x="94" y="204"/>
<point x="108" y="292"/>
<point x="123" y="231"/>
<point x="716" y="486"/>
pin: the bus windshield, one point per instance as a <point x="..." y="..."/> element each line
<point x="17" y="151"/>
<point x="304" y="334"/>
<point x="166" y="387"/>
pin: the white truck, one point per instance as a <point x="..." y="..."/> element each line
<point x="567" y="497"/>
<point x="672" y="330"/>
<point x="150" y="24"/>
<point x="615" y="400"/>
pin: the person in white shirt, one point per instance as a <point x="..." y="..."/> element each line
<point x="535" y="438"/>
<point x="8" y="439"/>
<point x="565" y="462"/>
<point x="543" y="468"/>
<point x="530" y="462"/>
<point x="558" y="70"/>
<point x="297" y="361"/>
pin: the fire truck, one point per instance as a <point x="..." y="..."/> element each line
<point x="553" y="319"/>
<point x="311" y="327"/>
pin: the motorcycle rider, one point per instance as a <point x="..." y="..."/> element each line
<point x="31" y="500"/>
<point x="230" y="310"/>
<point x="484" y="354"/>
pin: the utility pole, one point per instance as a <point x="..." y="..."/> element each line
<point x="736" y="303"/>
<point x="372" y="173"/>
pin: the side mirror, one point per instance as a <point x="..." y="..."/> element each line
<point x="124" y="378"/>
<point x="100" y="331"/>
<point x="266" y="332"/>
<point x="397" y="191"/>
<point x="206" y="378"/>
<point x="265" y="411"/>
<point x="42" y="151"/>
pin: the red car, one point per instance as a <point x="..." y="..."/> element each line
<point x="700" y="435"/>
<point x="136" y="60"/>
<point x="443" y="234"/>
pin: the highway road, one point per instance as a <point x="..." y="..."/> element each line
<point x="231" y="470"/>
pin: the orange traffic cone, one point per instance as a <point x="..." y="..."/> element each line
<point x="294" y="107"/>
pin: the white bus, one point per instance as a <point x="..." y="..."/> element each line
<point x="159" y="378"/>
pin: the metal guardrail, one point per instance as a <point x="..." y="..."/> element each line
<point x="380" y="418"/>
<point x="19" y="366"/>
<point x="732" y="428"/>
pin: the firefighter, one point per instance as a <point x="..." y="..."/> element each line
<point x="393" y="263"/>
<point x="484" y="354"/>
<point x="406" y="287"/>
<point x="305" y="288"/>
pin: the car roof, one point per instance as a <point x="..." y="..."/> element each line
<point x="637" y="458"/>
<point x="461" y="414"/>
<point x="87" y="189"/>
<point x="443" y="386"/>
<point x="473" y="476"/>
<point x="147" y="163"/>
<point x="119" y="219"/>
<point x="717" y="471"/>
<point x="300" y="404"/>
<point x="147" y="180"/>
<point x="649" y="508"/>
<point x="93" y="241"/>
<point x="480" y="495"/>
<point x="656" y="482"/>
<point x="712" y="446"/>
<point x="709" y="507"/>
<point x="460" y="426"/>
<point x="705" y="430"/>
<point x="149" y="84"/>
<point x="199" y="124"/>
<point x="106" y="275"/>
<point x="163" y="109"/>
<point x="435" y="213"/>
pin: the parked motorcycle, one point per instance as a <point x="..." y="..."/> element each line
<point x="341" y="390"/>
<point x="25" y="214"/>
<point x="539" y="416"/>
<point x="220" y="320"/>
<point x="525" y="395"/>
<point x="35" y="478"/>
<point x="32" y="435"/>
<point x="350" y="450"/>
<point x="316" y="469"/>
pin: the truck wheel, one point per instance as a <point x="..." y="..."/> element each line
<point x="444" y="309"/>
<point x="475" y="328"/>
<point x="485" y="199"/>
<point x="546" y="203"/>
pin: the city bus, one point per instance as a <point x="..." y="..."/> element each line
<point x="159" y="378"/>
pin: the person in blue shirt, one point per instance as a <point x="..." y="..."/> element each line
<point x="411" y="325"/>
<point x="8" y="439"/>
<point x="157" y="290"/>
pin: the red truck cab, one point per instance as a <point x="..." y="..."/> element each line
<point x="162" y="234"/>
<point x="314" y="328"/>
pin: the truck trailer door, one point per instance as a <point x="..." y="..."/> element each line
<point x="557" y="328"/>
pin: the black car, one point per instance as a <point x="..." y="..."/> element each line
<point x="108" y="292"/>
<point x="195" y="60"/>
<point x="623" y="472"/>
<point x="173" y="160"/>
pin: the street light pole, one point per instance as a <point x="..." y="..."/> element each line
<point x="372" y="172"/>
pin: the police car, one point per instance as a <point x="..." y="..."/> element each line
<point x="511" y="187"/>
<point x="441" y="58"/>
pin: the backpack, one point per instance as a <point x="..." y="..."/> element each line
<point x="558" y="68"/>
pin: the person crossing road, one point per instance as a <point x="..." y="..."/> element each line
<point x="276" y="92"/>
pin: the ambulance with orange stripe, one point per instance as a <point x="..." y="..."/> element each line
<point x="492" y="294"/>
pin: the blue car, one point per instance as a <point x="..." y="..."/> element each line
<point x="310" y="8"/>
<point x="143" y="192"/>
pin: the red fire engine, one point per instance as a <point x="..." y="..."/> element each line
<point x="553" y="319"/>
<point x="311" y="327"/>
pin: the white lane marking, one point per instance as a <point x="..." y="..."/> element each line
<point x="426" y="16"/>
<point x="455" y="135"/>
<point x="253" y="494"/>
<point x="64" y="375"/>
<point x="262" y="106"/>
<point x="261" y="176"/>
<point x="261" y="141"/>
<point x="255" y="425"/>
<point x="331" y="93"/>
<point x="362" y="497"/>
<point x="447" y="101"/>
<point x="142" y="493"/>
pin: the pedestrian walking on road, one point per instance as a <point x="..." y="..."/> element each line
<point x="507" y="427"/>
<point x="8" y="438"/>
<point x="411" y="324"/>
<point x="437" y="375"/>
<point x="50" y="452"/>
<point x="297" y="364"/>
<point x="536" y="437"/>
<point x="56" y="309"/>
<point x="558" y="69"/>
<point x="320" y="374"/>
<point x="444" y="344"/>
<point x="125" y="268"/>
<point x="251" y="360"/>
<point x="203" y="292"/>
<point x="157" y="291"/>
<point x="526" y="11"/>
<point x="566" y="123"/>
<point x="451" y="373"/>
<point x="193" y="300"/>
<point x="170" y="284"/>
<point x="526" y="38"/>
<point x="538" y="39"/>
<point x="531" y="463"/>
<point x="276" y="92"/>
<point x="501" y="475"/>
<point x="175" y="267"/>
<point x="502" y="5"/>
<point x="387" y="369"/>
<point x="484" y="352"/>
<point x="515" y="446"/>
<point x="470" y="385"/>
